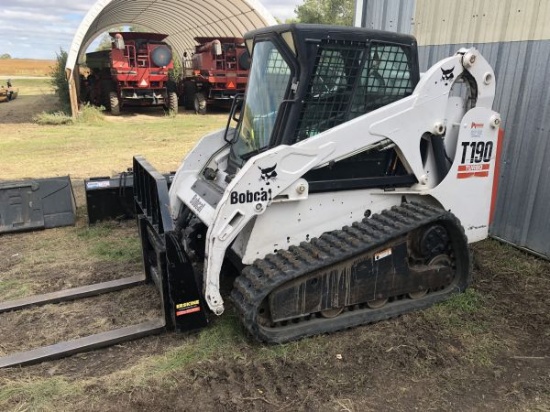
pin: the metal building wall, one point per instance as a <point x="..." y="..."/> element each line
<point x="514" y="37"/>
<point x="391" y="15"/>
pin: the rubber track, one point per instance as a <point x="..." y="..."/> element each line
<point x="264" y="275"/>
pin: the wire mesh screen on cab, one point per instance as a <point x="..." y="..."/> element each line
<point x="351" y="79"/>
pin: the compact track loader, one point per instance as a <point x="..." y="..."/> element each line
<point x="344" y="190"/>
<point x="350" y="187"/>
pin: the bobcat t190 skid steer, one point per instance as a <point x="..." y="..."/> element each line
<point x="346" y="192"/>
<point x="349" y="189"/>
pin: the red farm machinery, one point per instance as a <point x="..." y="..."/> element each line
<point x="216" y="72"/>
<point x="134" y="72"/>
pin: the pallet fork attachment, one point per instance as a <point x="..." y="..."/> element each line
<point x="166" y="265"/>
<point x="163" y="258"/>
<point x="97" y="341"/>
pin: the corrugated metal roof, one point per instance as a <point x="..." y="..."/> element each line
<point x="467" y="21"/>
<point x="182" y="20"/>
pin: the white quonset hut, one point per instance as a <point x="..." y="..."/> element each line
<point x="181" y="20"/>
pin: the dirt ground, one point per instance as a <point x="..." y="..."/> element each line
<point x="24" y="107"/>
<point x="487" y="350"/>
<point x="497" y="359"/>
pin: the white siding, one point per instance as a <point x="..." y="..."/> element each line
<point x="439" y="22"/>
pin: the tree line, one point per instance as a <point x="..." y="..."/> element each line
<point x="337" y="12"/>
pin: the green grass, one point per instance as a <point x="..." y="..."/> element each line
<point x="465" y="318"/>
<point x="91" y="114"/>
<point x="223" y="340"/>
<point x="88" y="115"/>
<point x="220" y="341"/>
<point x="121" y="250"/>
<point x="105" y="243"/>
<point x="98" y="231"/>
<point x="33" y="86"/>
<point x="38" y="394"/>
<point x="54" y="119"/>
<point x="511" y="260"/>
<point x="84" y="149"/>
<point x="96" y="144"/>
<point x="463" y="304"/>
<point x="13" y="289"/>
<point x="459" y="313"/>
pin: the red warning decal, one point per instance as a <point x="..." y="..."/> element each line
<point x="187" y="307"/>
<point x="230" y="85"/>
<point x="466" y="171"/>
<point x="188" y="311"/>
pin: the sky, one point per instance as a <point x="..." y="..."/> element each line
<point x="38" y="29"/>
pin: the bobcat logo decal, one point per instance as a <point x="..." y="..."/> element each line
<point x="447" y="75"/>
<point x="268" y="174"/>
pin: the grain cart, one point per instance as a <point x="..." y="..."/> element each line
<point x="218" y="72"/>
<point x="346" y="193"/>
<point x="134" y="72"/>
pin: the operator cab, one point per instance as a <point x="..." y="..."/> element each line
<point x="305" y="79"/>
